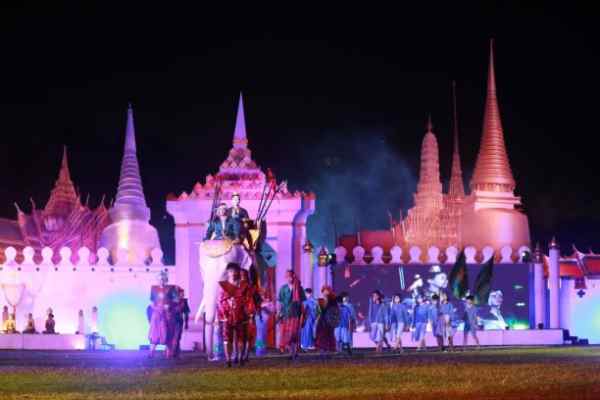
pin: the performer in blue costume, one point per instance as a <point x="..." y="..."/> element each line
<point x="379" y="319"/>
<point x="238" y="216"/>
<point x="420" y="319"/>
<point x="222" y="226"/>
<point x="470" y="321"/>
<point x="311" y="314"/>
<point x="400" y="319"/>
<point x="434" y="319"/>
<point x="345" y="329"/>
<point x="447" y="321"/>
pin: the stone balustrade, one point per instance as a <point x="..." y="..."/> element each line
<point x="81" y="258"/>
<point x="432" y="255"/>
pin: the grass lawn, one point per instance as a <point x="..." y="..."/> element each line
<point x="541" y="373"/>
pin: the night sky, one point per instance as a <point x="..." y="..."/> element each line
<point x="336" y="102"/>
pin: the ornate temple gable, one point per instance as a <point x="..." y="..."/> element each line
<point x="239" y="172"/>
<point x="64" y="221"/>
<point x="63" y="198"/>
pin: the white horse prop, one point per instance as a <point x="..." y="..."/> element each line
<point x="215" y="255"/>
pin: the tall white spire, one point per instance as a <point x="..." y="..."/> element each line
<point x="130" y="191"/>
<point x="130" y="228"/>
<point x="239" y="134"/>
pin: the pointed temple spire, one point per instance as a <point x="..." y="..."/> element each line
<point x="429" y="188"/>
<point x="239" y="134"/>
<point x="492" y="169"/>
<point x="63" y="196"/>
<point x="130" y="189"/>
<point x="456" y="188"/>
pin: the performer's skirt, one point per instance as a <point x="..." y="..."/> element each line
<point x="290" y="331"/>
<point x="377" y="333"/>
<point x="397" y="329"/>
<point x="307" y="334"/>
<point x="158" y="327"/>
<point x="343" y="335"/>
<point x="443" y="327"/>
<point x="419" y="332"/>
<point x="233" y="332"/>
<point x="325" y="336"/>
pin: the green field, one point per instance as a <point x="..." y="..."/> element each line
<point x="544" y="373"/>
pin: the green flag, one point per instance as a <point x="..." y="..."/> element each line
<point x="483" y="283"/>
<point x="458" y="280"/>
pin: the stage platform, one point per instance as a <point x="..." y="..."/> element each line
<point x="526" y="337"/>
<point x="19" y="341"/>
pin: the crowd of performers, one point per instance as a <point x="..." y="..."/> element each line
<point x="387" y="321"/>
<point x="304" y="323"/>
<point x="325" y="325"/>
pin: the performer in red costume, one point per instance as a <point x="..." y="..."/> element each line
<point x="253" y="297"/>
<point x="162" y="298"/>
<point x="234" y="309"/>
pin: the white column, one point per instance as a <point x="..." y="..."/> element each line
<point x="553" y="284"/>
<point x="284" y="253"/>
<point x="322" y="279"/>
<point x="306" y="269"/>
<point x="539" y="290"/>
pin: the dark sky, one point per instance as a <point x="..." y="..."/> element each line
<point x="336" y="102"/>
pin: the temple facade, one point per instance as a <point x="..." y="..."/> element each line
<point x="285" y="220"/>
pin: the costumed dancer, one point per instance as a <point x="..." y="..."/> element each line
<point x="437" y="327"/>
<point x="420" y="319"/>
<point x="446" y="321"/>
<point x="400" y="319"/>
<point x="261" y="319"/>
<point x="328" y="321"/>
<point x="254" y="297"/>
<point x="309" y="324"/>
<point x="379" y="320"/>
<point x="234" y="308"/>
<point x="290" y="299"/>
<point x="161" y="298"/>
<point x="180" y="316"/>
<point x="470" y="320"/>
<point x="344" y="330"/>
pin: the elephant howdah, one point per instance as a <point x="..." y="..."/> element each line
<point x="216" y="248"/>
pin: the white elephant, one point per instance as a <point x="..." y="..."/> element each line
<point x="215" y="255"/>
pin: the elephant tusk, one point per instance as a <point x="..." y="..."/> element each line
<point x="199" y="312"/>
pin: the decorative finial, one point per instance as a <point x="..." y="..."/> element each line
<point x="456" y="188"/>
<point x="240" y="139"/>
<point x="429" y="123"/>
